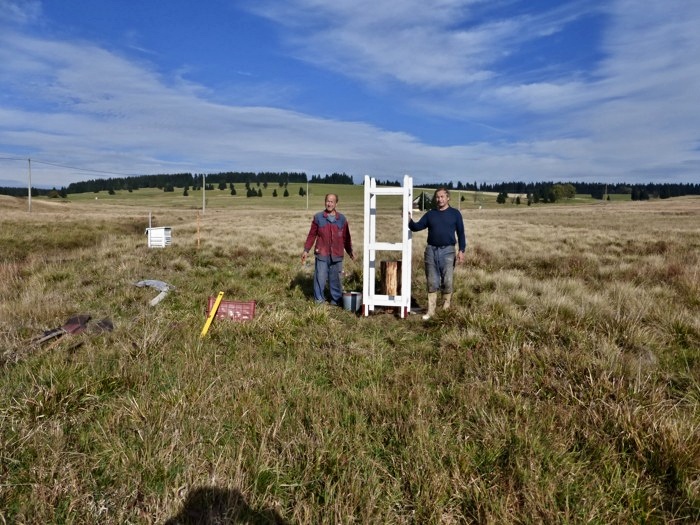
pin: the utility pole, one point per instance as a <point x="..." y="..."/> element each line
<point x="29" y="200"/>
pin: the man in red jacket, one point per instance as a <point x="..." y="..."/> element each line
<point x="331" y="233"/>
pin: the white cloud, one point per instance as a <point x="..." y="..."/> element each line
<point x="101" y="104"/>
<point x="429" y="44"/>
<point x="22" y="13"/>
<point x="634" y="115"/>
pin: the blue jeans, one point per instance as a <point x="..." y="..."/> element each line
<point x="439" y="268"/>
<point x="328" y="270"/>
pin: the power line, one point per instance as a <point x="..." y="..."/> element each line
<point x="73" y="167"/>
<point x="87" y="169"/>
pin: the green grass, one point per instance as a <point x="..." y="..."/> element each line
<point x="351" y="196"/>
<point x="562" y="387"/>
<point x="223" y="199"/>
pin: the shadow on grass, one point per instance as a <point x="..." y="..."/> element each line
<point x="305" y="282"/>
<point x="213" y="505"/>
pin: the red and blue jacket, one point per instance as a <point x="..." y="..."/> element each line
<point x="331" y="234"/>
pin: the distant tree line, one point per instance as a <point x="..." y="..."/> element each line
<point x="638" y="191"/>
<point x="551" y="191"/>
<point x="36" y="192"/>
<point x="460" y="186"/>
<point x="333" y="178"/>
<point x="22" y="192"/>
<point x="183" y="180"/>
<point x="196" y="180"/>
<point x="262" y="178"/>
<point x="533" y="191"/>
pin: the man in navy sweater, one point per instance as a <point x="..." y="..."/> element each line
<point x="443" y="223"/>
<point x="331" y="233"/>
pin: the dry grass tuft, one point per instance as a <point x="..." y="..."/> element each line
<point x="563" y="385"/>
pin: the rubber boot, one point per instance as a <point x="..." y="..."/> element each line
<point x="448" y="298"/>
<point x="432" y="301"/>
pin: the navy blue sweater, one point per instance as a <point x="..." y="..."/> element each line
<point x="442" y="226"/>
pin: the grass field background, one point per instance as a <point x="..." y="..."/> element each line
<point x="562" y="387"/>
<point x="351" y="195"/>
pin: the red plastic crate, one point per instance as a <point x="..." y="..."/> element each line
<point x="232" y="310"/>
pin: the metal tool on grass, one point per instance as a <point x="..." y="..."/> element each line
<point x="161" y="286"/>
<point x="73" y="325"/>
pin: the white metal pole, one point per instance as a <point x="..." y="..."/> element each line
<point x="307" y="194"/>
<point x="29" y="200"/>
<point x="204" y="191"/>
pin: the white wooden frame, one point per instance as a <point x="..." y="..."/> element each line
<point x="370" y="298"/>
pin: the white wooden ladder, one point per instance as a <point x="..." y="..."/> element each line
<point x="369" y="296"/>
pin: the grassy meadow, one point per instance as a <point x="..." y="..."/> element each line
<point x="563" y="386"/>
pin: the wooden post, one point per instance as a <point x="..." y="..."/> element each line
<point x="391" y="277"/>
<point x="198" y="230"/>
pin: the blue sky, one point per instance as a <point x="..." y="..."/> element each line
<point x="443" y="90"/>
